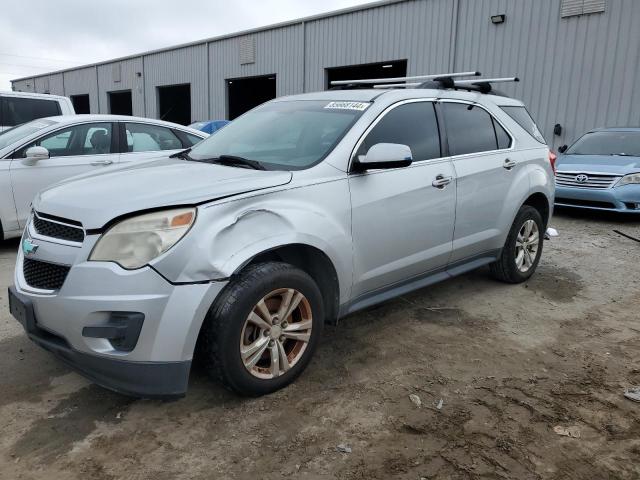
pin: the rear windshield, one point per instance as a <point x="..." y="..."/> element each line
<point x="606" y="143"/>
<point x="289" y="135"/>
<point x="522" y="117"/>
<point x="17" y="133"/>
<point x="18" y="110"/>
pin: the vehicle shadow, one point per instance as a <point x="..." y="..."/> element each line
<point x="596" y="215"/>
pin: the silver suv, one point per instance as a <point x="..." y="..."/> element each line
<point x="302" y="211"/>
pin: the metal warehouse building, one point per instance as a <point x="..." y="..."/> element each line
<point x="578" y="60"/>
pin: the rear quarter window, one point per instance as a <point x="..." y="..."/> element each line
<point x="522" y="118"/>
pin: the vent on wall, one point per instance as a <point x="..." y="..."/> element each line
<point x="247" y="50"/>
<point x="116" y="72"/>
<point x="571" y="8"/>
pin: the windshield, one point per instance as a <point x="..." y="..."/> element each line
<point x="289" y="135"/>
<point x="606" y="143"/>
<point x="16" y="133"/>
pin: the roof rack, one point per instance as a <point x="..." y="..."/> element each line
<point x="439" y="81"/>
<point x="369" y="81"/>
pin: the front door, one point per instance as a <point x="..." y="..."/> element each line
<point x="72" y="151"/>
<point x="402" y="223"/>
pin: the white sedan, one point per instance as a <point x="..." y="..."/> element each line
<point x="44" y="151"/>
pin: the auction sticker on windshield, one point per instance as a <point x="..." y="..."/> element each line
<point x="360" y="106"/>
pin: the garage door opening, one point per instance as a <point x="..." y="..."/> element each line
<point x="120" y="103"/>
<point x="396" y="68"/>
<point x="174" y="104"/>
<point x="245" y="93"/>
<point x="81" y="103"/>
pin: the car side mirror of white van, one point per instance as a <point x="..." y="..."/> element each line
<point x="385" y="155"/>
<point x="35" y="154"/>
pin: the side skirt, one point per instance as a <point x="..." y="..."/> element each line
<point x="424" y="280"/>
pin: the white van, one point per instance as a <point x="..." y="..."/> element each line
<point x="20" y="107"/>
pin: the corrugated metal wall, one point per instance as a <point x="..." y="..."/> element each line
<point x="127" y="79"/>
<point x="26" y="85"/>
<point x="173" y="67"/>
<point x="278" y="51"/>
<point x="418" y="31"/>
<point x="578" y="71"/>
<point x="83" y="81"/>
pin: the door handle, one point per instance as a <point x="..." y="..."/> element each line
<point x="508" y="164"/>
<point x="102" y="162"/>
<point x="441" y="181"/>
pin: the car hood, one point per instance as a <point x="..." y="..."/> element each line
<point x="94" y="200"/>
<point x="617" y="165"/>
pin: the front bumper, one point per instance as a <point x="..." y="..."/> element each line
<point x="624" y="199"/>
<point x="68" y="321"/>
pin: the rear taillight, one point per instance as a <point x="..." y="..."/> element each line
<point x="552" y="160"/>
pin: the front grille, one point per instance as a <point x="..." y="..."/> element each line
<point x="61" y="231"/>
<point x="44" y="275"/>
<point x="585" y="180"/>
<point x="584" y="203"/>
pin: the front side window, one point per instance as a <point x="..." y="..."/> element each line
<point x="413" y="124"/>
<point x="620" y="143"/>
<point x="470" y="129"/>
<point x="144" y="137"/>
<point x="84" y="139"/>
<point x="19" y="110"/>
<point x="289" y="135"/>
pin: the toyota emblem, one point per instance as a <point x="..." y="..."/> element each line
<point x="582" y="178"/>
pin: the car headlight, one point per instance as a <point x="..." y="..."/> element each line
<point x="628" y="179"/>
<point x="134" y="242"/>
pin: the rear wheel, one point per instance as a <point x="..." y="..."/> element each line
<point x="263" y="329"/>
<point x="522" y="249"/>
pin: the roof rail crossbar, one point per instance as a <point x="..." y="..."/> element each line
<point x="398" y="85"/>
<point x="487" y="80"/>
<point x="404" y="79"/>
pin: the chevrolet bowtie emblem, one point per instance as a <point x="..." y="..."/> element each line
<point x="28" y="246"/>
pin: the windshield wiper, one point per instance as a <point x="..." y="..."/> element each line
<point x="184" y="154"/>
<point x="239" y="161"/>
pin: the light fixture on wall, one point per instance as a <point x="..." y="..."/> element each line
<point x="497" y="19"/>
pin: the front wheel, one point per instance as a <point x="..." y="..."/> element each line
<point x="263" y="329"/>
<point x="522" y="249"/>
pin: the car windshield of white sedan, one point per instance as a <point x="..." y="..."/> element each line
<point x="21" y="131"/>
<point x="606" y="143"/>
<point x="282" y="135"/>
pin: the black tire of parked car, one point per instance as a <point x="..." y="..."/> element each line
<point x="504" y="269"/>
<point x="220" y="337"/>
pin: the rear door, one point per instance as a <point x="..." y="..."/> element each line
<point x="73" y="150"/>
<point x="402" y="223"/>
<point x="144" y="140"/>
<point x="485" y="165"/>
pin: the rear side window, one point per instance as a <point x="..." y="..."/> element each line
<point x="412" y="124"/>
<point x="143" y="137"/>
<point x="470" y="129"/>
<point x="503" y="138"/>
<point x="522" y="117"/>
<point x="18" y="110"/>
<point x="190" y="139"/>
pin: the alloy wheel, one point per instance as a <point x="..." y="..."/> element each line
<point x="276" y="333"/>
<point x="527" y="244"/>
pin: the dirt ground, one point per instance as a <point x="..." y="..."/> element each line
<point x="505" y="363"/>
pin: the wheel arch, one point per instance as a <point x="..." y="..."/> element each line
<point x="311" y="260"/>
<point x="540" y="202"/>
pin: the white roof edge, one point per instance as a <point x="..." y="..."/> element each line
<point x="287" y="23"/>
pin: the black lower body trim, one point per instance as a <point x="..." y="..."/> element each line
<point x="138" y="379"/>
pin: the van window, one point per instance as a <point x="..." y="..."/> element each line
<point x="469" y="129"/>
<point x="18" y="110"/>
<point x="412" y="124"/>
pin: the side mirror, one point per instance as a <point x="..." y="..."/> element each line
<point x="563" y="148"/>
<point x="35" y="154"/>
<point x="385" y="155"/>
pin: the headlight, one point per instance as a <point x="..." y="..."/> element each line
<point x="134" y="242"/>
<point x="628" y="179"/>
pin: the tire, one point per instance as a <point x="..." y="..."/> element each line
<point x="506" y="268"/>
<point x="228" y="329"/>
